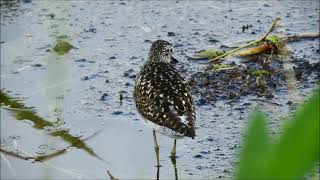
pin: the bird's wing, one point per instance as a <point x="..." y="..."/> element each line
<point x="163" y="97"/>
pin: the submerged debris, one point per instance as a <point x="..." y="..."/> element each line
<point x="130" y="73"/>
<point x="171" y="34"/>
<point x="84" y="61"/>
<point x="210" y="53"/>
<point x="246" y="27"/>
<point x="117" y="112"/>
<point x="85" y="78"/>
<point x="104" y="97"/>
<point x="91" y="29"/>
<point x="62" y="47"/>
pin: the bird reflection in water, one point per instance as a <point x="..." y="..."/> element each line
<point x="174" y="163"/>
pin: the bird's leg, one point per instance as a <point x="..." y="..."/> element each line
<point x="173" y="159"/>
<point x="175" y="172"/>
<point x="173" y="152"/>
<point x="156" y="147"/>
<point x="158" y="173"/>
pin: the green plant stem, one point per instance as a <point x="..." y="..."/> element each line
<point x="263" y="38"/>
<point x="235" y="50"/>
<point x="271" y="28"/>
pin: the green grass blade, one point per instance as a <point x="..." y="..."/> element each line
<point x="292" y="156"/>
<point x="297" y="150"/>
<point x="255" y="147"/>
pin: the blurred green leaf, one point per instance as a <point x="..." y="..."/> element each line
<point x="293" y="155"/>
<point x="297" y="150"/>
<point x="255" y="147"/>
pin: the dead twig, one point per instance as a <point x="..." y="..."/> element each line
<point x="262" y="39"/>
<point x="111" y="176"/>
<point x="266" y="101"/>
<point x="266" y="47"/>
<point x="299" y="37"/>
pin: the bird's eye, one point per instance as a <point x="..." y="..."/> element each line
<point x="171" y="50"/>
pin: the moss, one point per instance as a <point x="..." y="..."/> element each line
<point x="261" y="73"/>
<point x="62" y="47"/>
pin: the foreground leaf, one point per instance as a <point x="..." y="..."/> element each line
<point x="297" y="150"/>
<point x="293" y="155"/>
<point x="255" y="147"/>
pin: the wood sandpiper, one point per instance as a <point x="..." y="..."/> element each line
<point x="162" y="97"/>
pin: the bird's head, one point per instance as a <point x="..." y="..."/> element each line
<point x="161" y="51"/>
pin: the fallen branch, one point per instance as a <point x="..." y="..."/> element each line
<point x="266" y="101"/>
<point x="299" y="37"/>
<point x="263" y="45"/>
<point x="262" y="39"/>
<point x="258" y="49"/>
<point x="267" y="47"/>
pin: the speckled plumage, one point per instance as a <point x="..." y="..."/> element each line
<point x="162" y="95"/>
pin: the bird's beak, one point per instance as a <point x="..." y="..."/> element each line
<point x="173" y="60"/>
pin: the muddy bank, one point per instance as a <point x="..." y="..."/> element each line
<point x="258" y="76"/>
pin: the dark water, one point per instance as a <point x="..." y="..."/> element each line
<point x="73" y="96"/>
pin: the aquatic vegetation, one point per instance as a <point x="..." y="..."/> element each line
<point x="22" y="112"/>
<point x="261" y="73"/>
<point x="291" y="155"/>
<point x="62" y="47"/>
<point x="266" y="44"/>
<point x="210" y="53"/>
<point x="273" y="39"/>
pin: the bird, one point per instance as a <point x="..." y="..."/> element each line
<point x="162" y="97"/>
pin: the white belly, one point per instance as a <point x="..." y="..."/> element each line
<point x="162" y="129"/>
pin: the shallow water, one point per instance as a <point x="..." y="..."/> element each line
<point x="113" y="38"/>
